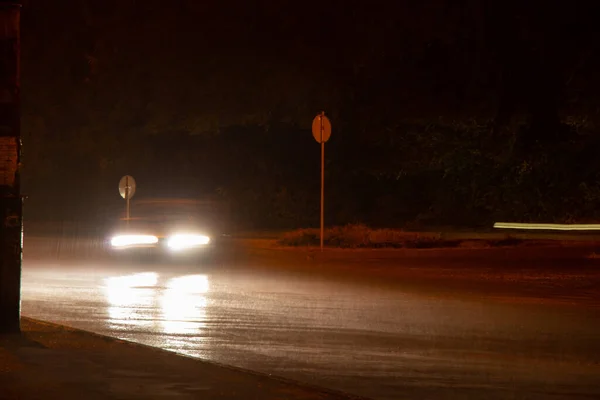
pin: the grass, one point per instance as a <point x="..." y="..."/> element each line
<point x="361" y="236"/>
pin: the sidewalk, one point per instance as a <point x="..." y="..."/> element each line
<point x="50" y="361"/>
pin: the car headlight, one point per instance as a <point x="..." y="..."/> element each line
<point x="183" y="241"/>
<point x="131" y="240"/>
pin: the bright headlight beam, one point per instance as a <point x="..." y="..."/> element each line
<point x="130" y="240"/>
<point x="549" y="227"/>
<point x="184" y="241"/>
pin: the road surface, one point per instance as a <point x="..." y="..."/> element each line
<point x="378" y="338"/>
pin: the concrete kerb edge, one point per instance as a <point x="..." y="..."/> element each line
<point x="276" y="378"/>
<point x="271" y="246"/>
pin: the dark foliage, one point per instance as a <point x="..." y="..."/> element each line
<point x="444" y="113"/>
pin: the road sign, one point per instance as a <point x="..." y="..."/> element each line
<point x="127" y="190"/>
<point x="321" y="128"/>
<point x="127" y="187"/>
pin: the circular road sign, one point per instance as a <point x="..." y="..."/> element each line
<point x="321" y="128"/>
<point x="127" y="187"/>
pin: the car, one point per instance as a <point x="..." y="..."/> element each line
<point x="158" y="229"/>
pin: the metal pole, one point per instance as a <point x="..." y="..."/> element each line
<point x="11" y="205"/>
<point x="127" y="199"/>
<point x="322" y="182"/>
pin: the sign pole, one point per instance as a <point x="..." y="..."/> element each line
<point x="127" y="198"/>
<point x="321" y="130"/>
<point x="322" y="182"/>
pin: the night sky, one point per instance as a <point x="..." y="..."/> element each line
<point x="444" y="112"/>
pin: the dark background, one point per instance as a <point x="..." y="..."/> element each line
<point x="453" y="113"/>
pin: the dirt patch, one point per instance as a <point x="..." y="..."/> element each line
<point x="552" y="270"/>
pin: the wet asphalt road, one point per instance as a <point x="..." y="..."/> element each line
<point x="377" y="340"/>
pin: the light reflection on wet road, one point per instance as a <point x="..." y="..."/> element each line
<point x="359" y="337"/>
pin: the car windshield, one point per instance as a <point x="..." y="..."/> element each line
<point x="160" y="215"/>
